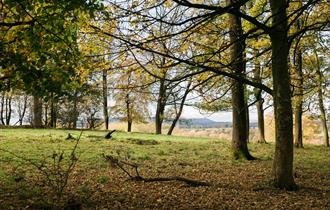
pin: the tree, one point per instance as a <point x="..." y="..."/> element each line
<point x="39" y="45"/>
<point x="178" y="110"/>
<point x="317" y="64"/>
<point x="131" y="93"/>
<point x="298" y="86"/>
<point x="239" y="108"/>
<point x="259" y="102"/>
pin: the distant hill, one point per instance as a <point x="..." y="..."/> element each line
<point x="202" y="123"/>
<point x="207" y="123"/>
<point x="198" y="123"/>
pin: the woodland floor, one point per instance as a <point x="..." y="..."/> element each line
<point x="96" y="184"/>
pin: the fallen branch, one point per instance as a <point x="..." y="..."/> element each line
<point x="124" y="164"/>
<point x="109" y="135"/>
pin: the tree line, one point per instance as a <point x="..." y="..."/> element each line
<point x="67" y="59"/>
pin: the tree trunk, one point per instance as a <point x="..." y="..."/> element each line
<point x="321" y="105"/>
<point x="323" y="119"/>
<point x="247" y="117"/>
<point x="105" y="99"/>
<point x="46" y="123"/>
<point x="129" y="113"/>
<point x="298" y="137"/>
<point x="129" y="126"/>
<point x="22" y="111"/>
<point x="8" y="107"/>
<point x="75" y="112"/>
<point x="259" y="103"/>
<point x="283" y="160"/>
<point x="37" y="112"/>
<point x="239" y="133"/>
<point x="52" y="112"/>
<point x="2" y="108"/>
<point x="179" y="112"/>
<point x="261" y="121"/>
<point x="160" y="107"/>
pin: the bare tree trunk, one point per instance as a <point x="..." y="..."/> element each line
<point x="239" y="133"/>
<point x="105" y="99"/>
<point x="37" y="112"/>
<point x="283" y="160"/>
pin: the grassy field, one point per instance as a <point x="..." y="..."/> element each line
<point x="93" y="183"/>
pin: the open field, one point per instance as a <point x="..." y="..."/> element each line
<point x="96" y="184"/>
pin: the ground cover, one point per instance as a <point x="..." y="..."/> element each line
<point x="94" y="183"/>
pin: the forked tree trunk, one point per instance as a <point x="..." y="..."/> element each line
<point x="283" y="160"/>
<point x="22" y="110"/>
<point x="179" y="112"/>
<point x="37" y="112"/>
<point x="239" y="133"/>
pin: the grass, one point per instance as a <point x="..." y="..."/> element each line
<point x="209" y="159"/>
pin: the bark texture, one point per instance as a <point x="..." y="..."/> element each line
<point x="283" y="160"/>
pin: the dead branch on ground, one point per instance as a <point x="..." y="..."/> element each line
<point x="125" y="165"/>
